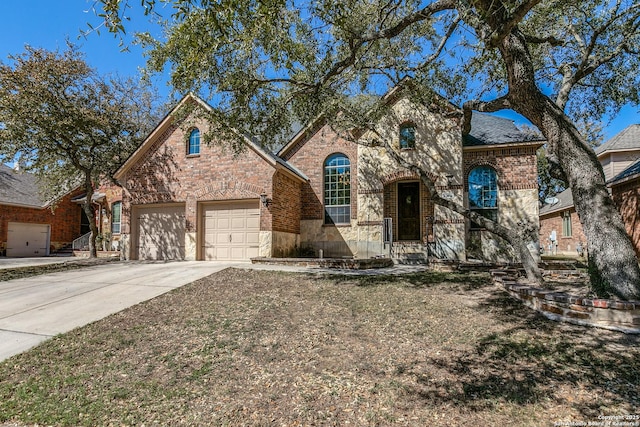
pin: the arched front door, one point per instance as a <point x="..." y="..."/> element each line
<point x="408" y="211"/>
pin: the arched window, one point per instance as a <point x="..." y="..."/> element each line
<point x="116" y="217"/>
<point x="407" y="135"/>
<point x="194" y="142"/>
<point x="483" y="193"/>
<point x="337" y="189"/>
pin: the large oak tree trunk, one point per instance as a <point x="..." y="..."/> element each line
<point x="610" y="249"/>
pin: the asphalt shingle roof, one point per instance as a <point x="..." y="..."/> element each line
<point x="628" y="138"/>
<point x="487" y="129"/>
<point x="18" y="188"/>
<point x="565" y="201"/>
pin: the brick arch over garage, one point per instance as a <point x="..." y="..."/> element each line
<point x="221" y="191"/>
<point x="228" y="190"/>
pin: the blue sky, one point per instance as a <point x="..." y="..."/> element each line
<point x="48" y="23"/>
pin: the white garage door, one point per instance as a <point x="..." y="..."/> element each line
<point x="161" y="232"/>
<point x="25" y="240"/>
<point x="231" y="231"/>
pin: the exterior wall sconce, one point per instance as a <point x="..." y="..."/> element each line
<point x="449" y="180"/>
<point x="265" y="200"/>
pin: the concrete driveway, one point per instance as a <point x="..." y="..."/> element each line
<point x="35" y="309"/>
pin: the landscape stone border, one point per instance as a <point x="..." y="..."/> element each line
<point x="623" y="316"/>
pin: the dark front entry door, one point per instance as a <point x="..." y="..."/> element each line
<point x="409" y="211"/>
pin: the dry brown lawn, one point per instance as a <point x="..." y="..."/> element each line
<point x="280" y="349"/>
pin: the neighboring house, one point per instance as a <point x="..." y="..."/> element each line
<point x="619" y="158"/>
<point x="323" y="194"/>
<point x="625" y="191"/>
<point x="619" y="152"/>
<point x="28" y="225"/>
<point x="560" y="228"/>
<point x="107" y="201"/>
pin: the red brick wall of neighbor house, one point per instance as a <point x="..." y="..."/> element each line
<point x="166" y="174"/>
<point x="627" y="198"/>
<point x="309" y="156"/>
<point x="516" y="167"/>
<point x="113" y="194"/>
<point x="64" y="220"/>
<point x="286" y="208"/>
<point x="553" y="221"/>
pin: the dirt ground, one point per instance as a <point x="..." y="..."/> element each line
<point x="280" y="349"/>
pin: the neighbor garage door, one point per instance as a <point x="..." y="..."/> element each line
<point x="25" y="240"/>
<point x="231" y="231"/>
<point x="160" y="231"/>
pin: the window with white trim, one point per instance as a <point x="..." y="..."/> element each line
<point x="483" y="193"/>
<point x="337" y="189"/>
<point x="194" y="142"/>
<point x="116" y="217"/>
<point x="407" y="136"/>
<point x="566" y="224"/>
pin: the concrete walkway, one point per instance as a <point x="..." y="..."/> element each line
<point x="37" y="308"/>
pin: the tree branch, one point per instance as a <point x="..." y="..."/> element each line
<point x="497" y="104"/>
<point x="512" y="21"/>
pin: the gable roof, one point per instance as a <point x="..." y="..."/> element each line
<point x="391" y="96"/>
<point x="19" y="188"/>
<point x="565" y="201"/>
<point x="631" y="172"/>
<point x="166" y="122"/>
<point x="487" y="129"/>
<point x="627" y="139"/>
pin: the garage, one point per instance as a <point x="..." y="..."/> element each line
<point x="28" y="240"/>
<point x="160" y="232"/>
<point x="230" y="230"/>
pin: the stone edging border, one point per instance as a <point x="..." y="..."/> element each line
<point x="622" y="316"/>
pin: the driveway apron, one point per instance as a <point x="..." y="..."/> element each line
<point x="37" y="308"/>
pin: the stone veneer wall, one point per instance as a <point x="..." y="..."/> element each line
<point x="438" y="152"/>
<point x="621" y="316"/>
<point x="516" y="168"/>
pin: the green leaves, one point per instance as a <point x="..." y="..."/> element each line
<point x="64" y="121"/>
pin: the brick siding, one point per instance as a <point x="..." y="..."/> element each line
<point x="627" y="198"/>
<point x="516" y="167"/>
<point x="64" y="221"/>
<point x="553" y="221"/>
<point x="310" y="157"/>
<point x="166" y="174"/>
<point x="286" y="209"/>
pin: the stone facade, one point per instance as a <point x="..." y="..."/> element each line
<point x="290" y="188"/>
<point x="517" y="174"/>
